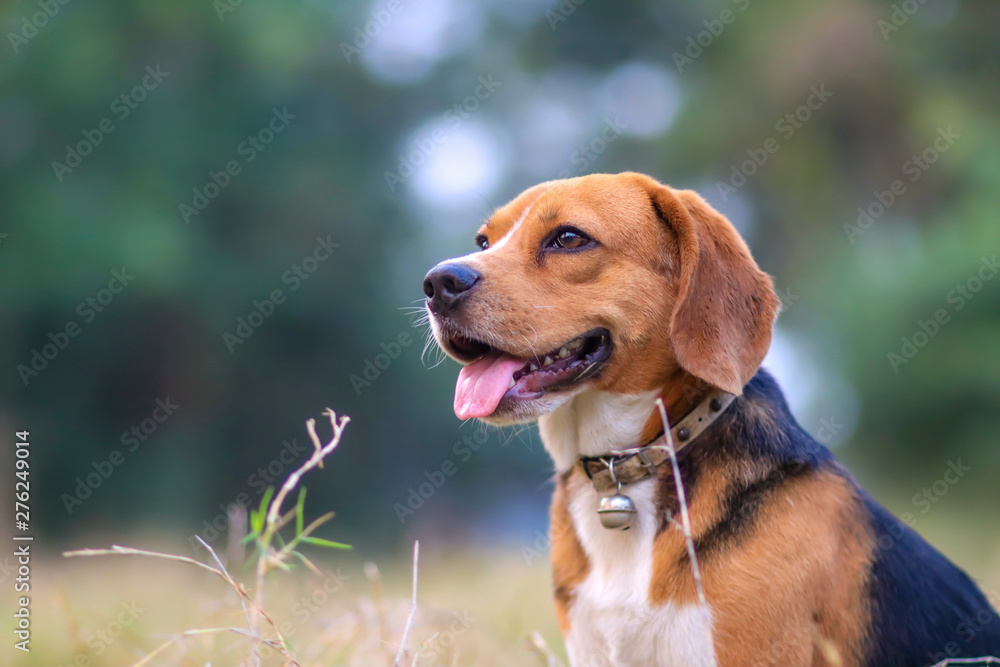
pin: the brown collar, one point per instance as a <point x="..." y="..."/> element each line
<point x="631" y="465"/>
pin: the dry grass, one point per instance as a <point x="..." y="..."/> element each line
<point x="146" y="607"/>
<point x="473" y="610"/>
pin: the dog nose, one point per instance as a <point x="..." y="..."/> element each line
<point x="446" y="284"/>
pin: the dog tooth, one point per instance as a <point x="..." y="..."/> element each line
<point x="548" y="361"/>
<point x="511" y="385"/>
<point x="532" y="367"/>
<point x="563" y="353"/>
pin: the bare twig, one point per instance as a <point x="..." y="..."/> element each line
<point x="378" y="600"/>
<point x="204" y="631"/>
<point x="322" y="451"/>
<point x="538" y="645"/>
<point x="117" y="550"/>
<point x="240" y="594"/>
<point x="235" y="551"/>
<point x="827" y="648"/>
<point x="682" y="501"/>
<point x="269" y="558"/>
<point x="274" y="520"/>
<point x="413" y="609"/>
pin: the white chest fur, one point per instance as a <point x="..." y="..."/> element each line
<point x="612" y="623"/>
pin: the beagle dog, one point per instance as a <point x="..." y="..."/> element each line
<point x="590" y="299"/>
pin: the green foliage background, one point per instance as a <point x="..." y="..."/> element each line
<point x="848" y="303"/>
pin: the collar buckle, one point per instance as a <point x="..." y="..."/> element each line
<point x="649" y="457"/>
<point x="647" y="463"/>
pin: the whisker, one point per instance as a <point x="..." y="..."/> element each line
<point x="532" y="344"/>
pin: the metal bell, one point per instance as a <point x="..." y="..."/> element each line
<point x="616" y="512"/>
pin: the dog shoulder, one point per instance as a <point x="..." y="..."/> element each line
<point x="925" y="609"/>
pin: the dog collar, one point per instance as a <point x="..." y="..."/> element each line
<point x="617" y="468"/>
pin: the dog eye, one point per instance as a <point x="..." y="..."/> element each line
<point x="482" y="242"/>
<point x="570" y="239"/>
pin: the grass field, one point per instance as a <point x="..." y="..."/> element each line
<point x="475" y="608"/>
<point x="285" y="597"/>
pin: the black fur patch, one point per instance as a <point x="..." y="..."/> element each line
<point x="756" y="433"/>
<point x="743" y="503"/>
<point x="924" y="609"/>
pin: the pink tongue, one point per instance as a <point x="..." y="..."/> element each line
<point x="483" y="383"/>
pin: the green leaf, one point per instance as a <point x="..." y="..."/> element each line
<point x="265" y="501"/>
<point x="320" y="542"/>
<point x="256" y="521"/>
<point x="300" y="511"/>
<point x="308" y="563"/>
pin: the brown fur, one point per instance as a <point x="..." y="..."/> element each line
<point x="569" y="564"/>
<point x="808" y="553"/>
<point x="710" y="320"/>
<point x="688" y="310"/>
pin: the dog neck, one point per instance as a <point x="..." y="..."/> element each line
<point x="594" y="422"/>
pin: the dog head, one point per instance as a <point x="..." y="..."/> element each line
<point x="603" y="282"/>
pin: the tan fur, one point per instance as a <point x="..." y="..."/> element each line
<point x="569" y="563"/>
<point x="688" y="310"/>
<point x="710" y="319"/>
<point x="805" y="554"/>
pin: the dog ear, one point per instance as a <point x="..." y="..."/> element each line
<point x="724" y="314"/>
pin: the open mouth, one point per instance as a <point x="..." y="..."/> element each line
<point x="496" y="375"/>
